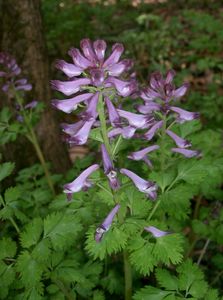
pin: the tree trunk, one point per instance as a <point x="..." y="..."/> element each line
<point x="22" y="36"/>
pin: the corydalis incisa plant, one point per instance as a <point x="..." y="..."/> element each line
<point x="15" y="87"/>
<point x="98" y="82"/>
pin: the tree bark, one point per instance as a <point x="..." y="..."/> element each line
<point x="21" y="35"/>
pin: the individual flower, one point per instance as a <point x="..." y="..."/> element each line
<point x="186" y="152"/>
<point x="151" y="132"/>
<point x="69" y="87"/>
<point x="81" y="182"/>
<point x="109" y="169"/>
<point x="181" y="143"/>
<point x="142" y="154"/>
<point x="80" y="137"/>
<point x="104" y="227"/>
<point x="155" y="231"/>
<point x="144" y="186"/>
<point x="184" y="115"/>
<point x="68" y="105"/>
<point x="91" y="112"/>
<point x="136" y="120"/>
<point x="113" y="115"/>
<point x="126" y="132"/>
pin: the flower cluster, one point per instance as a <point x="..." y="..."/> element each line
<point x="9" y="70"/>
<point x="158" y="98"/>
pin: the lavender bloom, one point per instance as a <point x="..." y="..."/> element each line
<point x="80" y="183"/>
<point x="148" y="108"/>
<point x="144" y="186"/>
<point x="124" y="88"/>
<point x="93" y="63"/>
<point x="109" y="169"/>
<point x="136" y="120"/>
<point x="69" y="69"/>
<point x="187" y="153"/>
<point x="141" y="154"/>
<point x="104" y="227"/>
<point x="126" y="132"/>
<point x="81" y="136"/>
<point x="163" y="88"/>
<point x="155" y="231"/>
<point x="181" y="143"/>
<point x="113" y="115"/>
<point x="69" y="87"/>
<point x="184" y="115"/>
<point x="72" y="129"/>
<point x="71" y="104"/>
<point x="91" y="111"/>
<point x="31" y="104"/>
<point x="151" y="132"/>
<point x="9" y="73"/>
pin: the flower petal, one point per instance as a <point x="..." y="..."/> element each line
<point x="68" y="105"/>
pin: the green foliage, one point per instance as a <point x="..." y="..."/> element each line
<point x="189" y="283"/>
<point x="5" y="170"/>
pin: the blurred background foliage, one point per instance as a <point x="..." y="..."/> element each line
<point x="185" y="35"/>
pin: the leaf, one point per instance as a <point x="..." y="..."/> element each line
<point x="31" y="235"/>
<point x="7" y="275"/>
<point x="192" y="171"/>
<point x="12" y="194"/>
<point x="166" y="280"/>
<point x="177" y="200"/>
<point x="8" y="248"/>
<point x="151" y="293"/>
<point x="169" y="249"/>
<point x="6" y="169"/>
<point x="113" y="241"/>
<point x="61" y="229"/>
<point x="95" y="134"/>
<point x="30" y="270"/>
<point x="42" y="251"/>
<point x="98" y="295"/>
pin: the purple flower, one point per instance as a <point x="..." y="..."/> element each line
<point x="69" y="69"/>
<point x="69" y="87"/>
<point x="31" y="104"/>
<point x="124" y="88"/>
<point x="184" y="115"/>
<point x="104" y="227"/>
<point x="187" y="153"/>
<point x="136" y="120"/>
<point x="91" y="111"/>
<point x="10" y="71"/>
<point x="117" y="50"/>
<point x="81" y="136"/>
<point x="113" y="115"/>
<point x="144" y="186"/>
<point x="148" y="108"/>
<point x="109" y="169"/>
<point x="79" y="60"/>
<point x="155" y="231"/>
<point x="181" y="143"/>
<point x="68" y="105"/>
<point x="141" y="155"/>
<point x="163" y="88"/>
<point x="126" y="132"/>
<point x="151" y="132"/>
<point x="72" y="129"/>
<point x="80" y="183"/>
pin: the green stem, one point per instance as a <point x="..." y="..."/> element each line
<point x="154" y="210"/>
<point x="14" y="224"/>
<point x="33" y="139"/>
<point x="116" y="146"/>
<point x="101" y="112"/>
<point x="128" y="276"/>
<point x="203" y="251"/>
